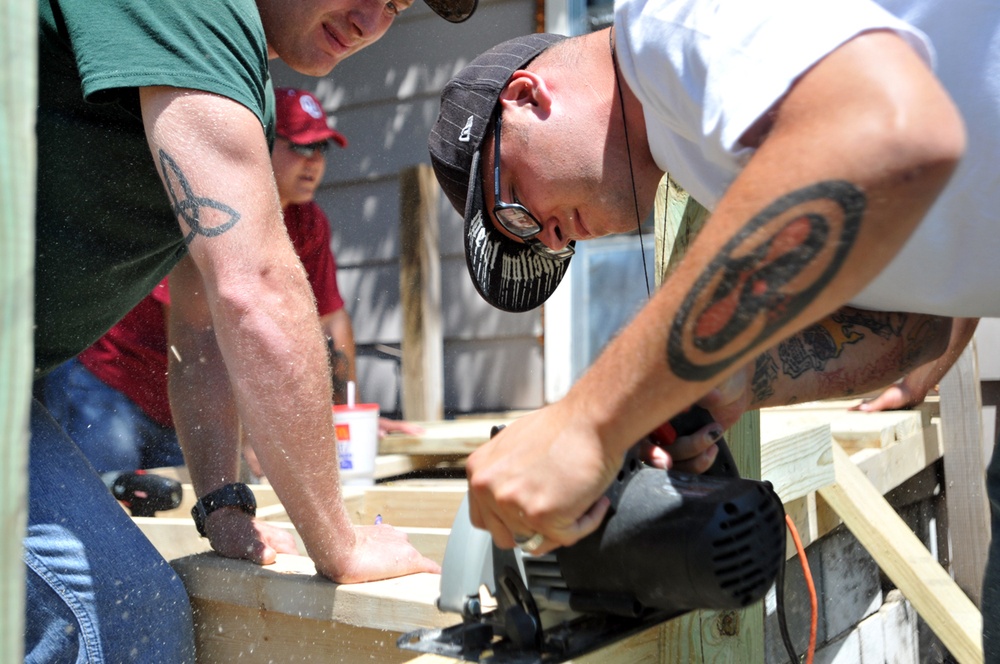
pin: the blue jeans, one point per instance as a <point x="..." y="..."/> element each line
<point x="113" y="432"/>
<point x="97" y="590"/>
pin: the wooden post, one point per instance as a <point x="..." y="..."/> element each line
<point x="420" y="292"/>
<point x="18" y="99"/>
<point x="707" y="636"/>
<point x="965" y="473"/>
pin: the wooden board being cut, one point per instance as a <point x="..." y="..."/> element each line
<point x="852" y="430"/>
<point x="286" y="612"/>
<point x="447" y="437"/>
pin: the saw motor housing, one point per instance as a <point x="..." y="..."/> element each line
<point x="672" y="542"/>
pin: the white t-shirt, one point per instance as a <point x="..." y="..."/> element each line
<point x="705" y="71"/>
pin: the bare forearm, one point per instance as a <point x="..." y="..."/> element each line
<point x="203" y="408"/>
<point x="277" y="357"/>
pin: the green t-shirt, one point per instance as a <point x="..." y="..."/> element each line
<point x="105" y="231"/>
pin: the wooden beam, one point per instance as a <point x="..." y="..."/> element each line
<point x="647" y="647"/>
<point x="443" y="437"/>
<point x="18" y="101"/>
<point x="905" y="560"/>
<point x="176" y="538"/>
<point x="420" y="294"/>
<point x="886" y="469"/>
<point x="965" y="472"/>
<point x="286" y="612"/>
<point x="429" y="505"/>
<point x="852" y="430"/>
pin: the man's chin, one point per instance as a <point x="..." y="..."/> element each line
<point x="319" y="65"/>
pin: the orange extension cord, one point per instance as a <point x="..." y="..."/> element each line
<point x="813" y="604"/>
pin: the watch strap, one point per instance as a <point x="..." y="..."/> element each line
<point x="236" y="494"/>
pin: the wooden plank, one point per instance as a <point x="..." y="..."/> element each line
<point x="853" y="430"/>
<point x="176" y="538"/>
<point x="420" y="294"/>
<point x="229" y="633"/>
<point x="443" y="437"/>
<point x="18" y="101"/>
<point x="934" y="595"/>
<point x="678" y="220"/>
<point x="647" y="647"/>
<point x="291" y="586"/>
<point x="965" y="472"/>
<point x="433" y="505"/>
<point x="795" y="460"/>
<point x="887" y="469"/>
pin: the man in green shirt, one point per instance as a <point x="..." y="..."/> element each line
<point x="154" y="121"/>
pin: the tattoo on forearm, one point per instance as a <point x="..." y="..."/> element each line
<point x="815" y="346"/>
<point x="764" y="374"/>
<point x="764" y="277"/>
<point x="885" y="325"/>
<point x="203" y="216"/>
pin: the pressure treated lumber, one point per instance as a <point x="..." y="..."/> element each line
<point x="443" y="437"/>
<point x="176" y="538"/>
<point x="852" y="430"/>
<point x="286" y="612"/>
<point x="965" y="472"/>
<point x="18" y="100"/>
<point x="420" y="295"/>
<point x="648" y="647"/>
<point x="905" y="560"/>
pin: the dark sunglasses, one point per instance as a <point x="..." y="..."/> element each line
<point x="309" y="149"/>
<point x="515" y="217"/>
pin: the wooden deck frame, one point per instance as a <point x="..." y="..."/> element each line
<point x="253" y="612"/>
<point x="244" y="610"/>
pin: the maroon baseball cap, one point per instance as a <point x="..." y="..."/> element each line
<point x="301" y="119"/>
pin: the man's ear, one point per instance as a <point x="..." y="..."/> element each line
<point x="527" y="88"/>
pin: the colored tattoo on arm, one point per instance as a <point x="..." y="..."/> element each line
<point x="902" y="342"/>
<point x="764" y="276"/>
<point x="201" y="216"/>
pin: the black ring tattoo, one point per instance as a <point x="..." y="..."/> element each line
<point x="765" y="276"/>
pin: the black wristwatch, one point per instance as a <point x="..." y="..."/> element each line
<point x="231" y="495"/>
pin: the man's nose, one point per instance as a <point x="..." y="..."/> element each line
<point x="552" y="235"/>
<point x="365" y="16"/>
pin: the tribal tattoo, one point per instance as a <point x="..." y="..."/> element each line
<point x="765" y="276"/>
<point x="203" y="216"/>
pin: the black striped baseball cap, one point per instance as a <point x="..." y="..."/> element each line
<point x="508" y="274"/>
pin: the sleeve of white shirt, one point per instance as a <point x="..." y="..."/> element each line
<point x="708" y="69"/>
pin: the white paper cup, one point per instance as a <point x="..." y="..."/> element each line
<point x="357" y="442"/>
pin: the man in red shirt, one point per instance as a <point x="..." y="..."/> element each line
<point x="112" y="398"/>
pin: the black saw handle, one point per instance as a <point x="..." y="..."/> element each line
<point x="693" y="419"/>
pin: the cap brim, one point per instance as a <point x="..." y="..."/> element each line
<point x="508" y="274"/>
<point x="307" y="137"/>
<point x="454" y="11"/>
